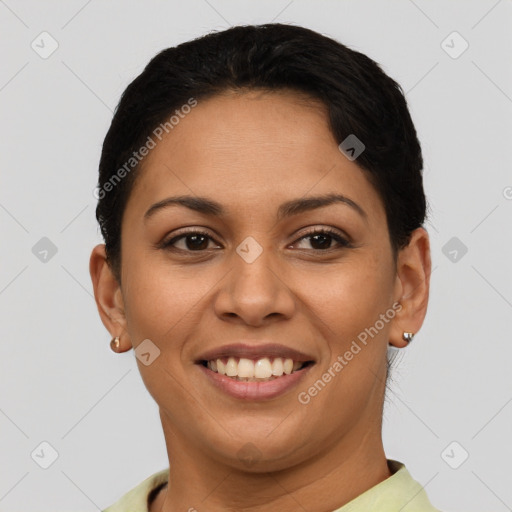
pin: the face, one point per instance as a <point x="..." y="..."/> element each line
<point x="251" y="270"/>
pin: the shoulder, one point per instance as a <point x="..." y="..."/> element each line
<point x="137" y="498"/>
<point x="400" y="491"/>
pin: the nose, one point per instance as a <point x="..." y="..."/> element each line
<point x="255" y="292"/>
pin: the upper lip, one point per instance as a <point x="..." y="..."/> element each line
<point x="251" y="351"/>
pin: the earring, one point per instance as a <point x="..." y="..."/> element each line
<point x="408" y="336"/>
<point x="114" y="344"/>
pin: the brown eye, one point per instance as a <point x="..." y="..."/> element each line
<point x="193" y="241"/>
<point x="321" y="239"/>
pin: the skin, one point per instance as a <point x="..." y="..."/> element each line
<point x="251" y="152"/>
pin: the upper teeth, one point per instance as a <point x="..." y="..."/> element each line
<point x="262" y="368"/>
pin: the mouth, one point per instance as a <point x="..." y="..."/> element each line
<point x="255" y="372"/>
<point x="260" y="369"/>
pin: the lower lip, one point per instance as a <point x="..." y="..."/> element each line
<point x="265" y="390"/>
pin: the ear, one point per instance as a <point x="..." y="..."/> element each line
<point x="412" y="286"/>
<point x="108" y="295"/>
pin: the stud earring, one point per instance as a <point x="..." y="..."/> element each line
<point x="408" y="336"/>
<point x="115" y="343"/>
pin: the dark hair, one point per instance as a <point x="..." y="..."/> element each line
<point x="361" y="100"/>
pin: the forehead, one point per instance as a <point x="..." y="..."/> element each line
<point x="247" y="148"/>
<point x="252" y="125"/>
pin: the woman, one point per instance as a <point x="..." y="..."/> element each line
<point x="261" y="200"/>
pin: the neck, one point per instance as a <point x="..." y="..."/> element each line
<point x="322" y="483"/>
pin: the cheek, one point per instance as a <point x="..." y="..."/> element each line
<point x="164" y="301"/>
<point x="348" y="303"/>
<point x="156" y="298"/>
<point x="159" y="306"/>
<point x="349" y="297"/>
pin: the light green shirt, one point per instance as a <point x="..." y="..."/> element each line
<point x="399" y="492"/>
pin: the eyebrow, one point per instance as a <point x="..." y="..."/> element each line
<point x="294" y="207"/>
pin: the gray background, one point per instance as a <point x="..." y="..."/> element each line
<point x="59" y="381"/>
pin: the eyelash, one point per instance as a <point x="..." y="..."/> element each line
<point x="343" y="242"/>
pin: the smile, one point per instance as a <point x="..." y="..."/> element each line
<point x="252" y="371"/>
